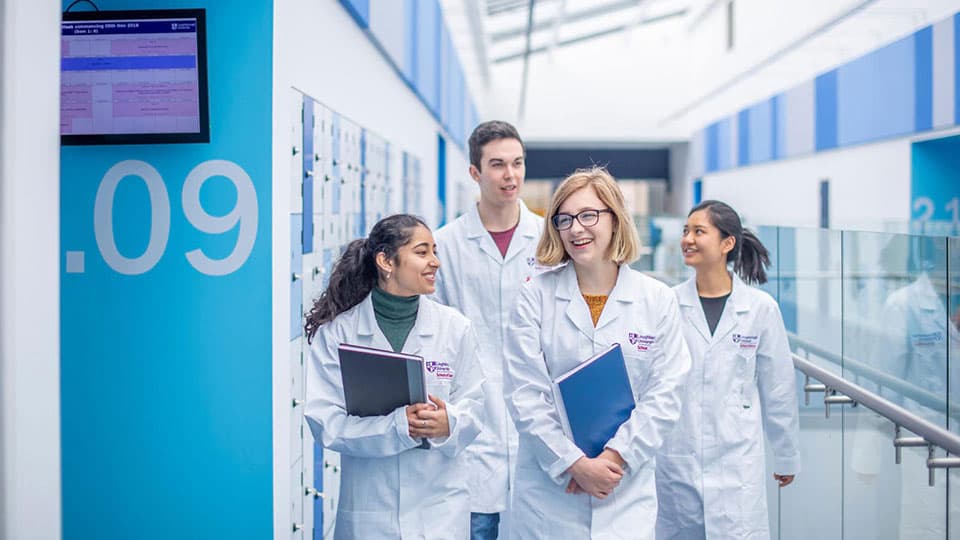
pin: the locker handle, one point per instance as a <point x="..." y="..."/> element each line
<point x="297" y="402"/>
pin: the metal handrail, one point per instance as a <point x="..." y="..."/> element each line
<point x="930" y="432"/>
<point x="918" y="394"/>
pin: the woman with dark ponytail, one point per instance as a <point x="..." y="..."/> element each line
<point x="377" y="297"/>
<point x="710" y="471"/>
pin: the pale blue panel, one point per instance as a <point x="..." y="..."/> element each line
<point x="760" y="119"/>
<point x="944" y="71"/>
<point x="428" y="53"/>
<point x="875" y="94"/>
<point x="445" y="76"/>
<point x="725" y="144"/>
<point x="388" y="24"/>
<point x="796" y="121"/>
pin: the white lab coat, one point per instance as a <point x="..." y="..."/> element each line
<point x="711" y="470"/>
<point x="550" y="332"/>
<point x="389" y="488"/>
<point x="483" y="285"/>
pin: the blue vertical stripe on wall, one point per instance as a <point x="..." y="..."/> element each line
<point x="760" y="131"/>
<point x="359" y="10"/>
<point x="411" y="68"/>
<point x="875" y="94"/>
<point x="166" y="385"/>
<point x="439" y="31"/>
<point x="724" y="143"/>
<point x="697" y="191"/>
<point x="428" y="54"/>
<point x="956" y="70"/>
<point x="743" y="137"/>
<point x="775" y="126"/>
<point x="923" y="79"/>
<point x="442" y="179"/>
<point x="826" y="111"/>
<point x="711" y="159"/>
<point x="307" y="189"/>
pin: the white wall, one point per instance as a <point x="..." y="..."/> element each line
<point x="320" y="51"/>
<point x="661" y="81"/>
<point x="29" y="270"/>
<point x="869" y="188"/>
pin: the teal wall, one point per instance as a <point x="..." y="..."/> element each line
<point x="166" y="372"/>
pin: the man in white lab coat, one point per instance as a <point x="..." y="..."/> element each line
<point x="487" y="254"/>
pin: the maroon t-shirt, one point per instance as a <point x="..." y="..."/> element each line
<point x="502" y="239"/>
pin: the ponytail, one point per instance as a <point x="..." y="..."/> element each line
<point x="753" y="259"/>
<point x="355" y="273"/>
<point x="354" y="276"/>
<point x="749" y="256"/>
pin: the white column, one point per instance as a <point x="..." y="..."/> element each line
<point x="29" y="270"/>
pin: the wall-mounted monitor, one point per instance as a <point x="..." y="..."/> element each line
<point x="134" y="77"/>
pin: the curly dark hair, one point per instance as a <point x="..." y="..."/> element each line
<point x="355" y="273"/>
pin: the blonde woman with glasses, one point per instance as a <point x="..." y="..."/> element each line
<point x="591" y="300"/>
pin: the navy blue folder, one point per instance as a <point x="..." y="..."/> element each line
<point x="375" y="382"/>
<point x="595" y="398"/>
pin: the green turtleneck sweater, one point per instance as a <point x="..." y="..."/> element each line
<point x="396" y="315"/>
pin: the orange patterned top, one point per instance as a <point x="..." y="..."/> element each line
<point x="595" y="302"/>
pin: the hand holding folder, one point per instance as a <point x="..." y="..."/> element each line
<point x="377" y="382"/>
<point x="429" y="420"/>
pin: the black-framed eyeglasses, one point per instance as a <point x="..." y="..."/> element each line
<point x="587" y="218"/>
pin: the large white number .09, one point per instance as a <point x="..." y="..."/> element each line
<point x="159" y="217"/>
<point x="245" y="212"/>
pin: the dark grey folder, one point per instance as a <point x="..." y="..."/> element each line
<point x="376" y="382"/>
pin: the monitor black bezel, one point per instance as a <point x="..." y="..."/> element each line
<point x="202" y="136"/>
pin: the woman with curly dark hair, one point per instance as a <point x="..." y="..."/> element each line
<point x="377" y="297"/>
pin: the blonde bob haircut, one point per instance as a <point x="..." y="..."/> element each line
<point x="625" y="246"/>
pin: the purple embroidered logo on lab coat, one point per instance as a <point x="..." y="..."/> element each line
<point x="746" y="342"/>
<point x="642" y="342"/>
<point x="440" y="369"/>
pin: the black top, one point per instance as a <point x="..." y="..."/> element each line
<point x="713" y="309"/>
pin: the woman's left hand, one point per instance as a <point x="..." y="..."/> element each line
<point x="783" y="479"/>
<point x="431" y="422"/>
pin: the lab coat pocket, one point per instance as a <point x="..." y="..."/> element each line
<point x="746" y="371"/>
<point x="439" y="388"/>
<point x="639" y="365"/>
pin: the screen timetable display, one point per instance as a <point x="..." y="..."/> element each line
<point x="133" y="77"/>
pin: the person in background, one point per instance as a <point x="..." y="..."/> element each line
<point x="710" y="475"/>
<point x="563" y="317"/>
<point x="487" y="253"/>
<point x="389" y="488"/>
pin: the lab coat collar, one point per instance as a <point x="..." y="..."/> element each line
<point x="737" y="304"/>
<point x="624" y="292"/>
<point x="576" y="310"/>
<point x="369" y="330"/>
<point x="527" y="228"/>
